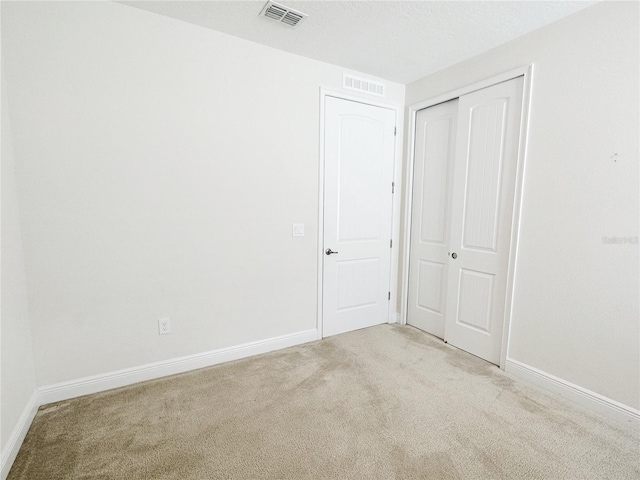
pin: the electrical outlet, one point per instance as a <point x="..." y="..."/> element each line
<point x="164" y="326"/>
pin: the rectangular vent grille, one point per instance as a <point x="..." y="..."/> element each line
<point x="282" y="14"/>
<point x="362" y="85"/>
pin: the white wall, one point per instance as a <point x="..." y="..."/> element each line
<point x="160" y="168"/>
<point x="576" y="310"/>
<point x="16" y="352"/>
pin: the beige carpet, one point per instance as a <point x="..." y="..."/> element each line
<point x="387" y="402"/>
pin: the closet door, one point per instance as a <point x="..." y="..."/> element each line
<point x="430" y="225"/>
<point x="482" y="211"/>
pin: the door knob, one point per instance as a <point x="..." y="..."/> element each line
<point x="328" y="251"/>
<point x="454" y="255"/>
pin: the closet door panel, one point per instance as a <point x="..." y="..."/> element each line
<point x="430" y="225"/>
<point x="483" y="191"/>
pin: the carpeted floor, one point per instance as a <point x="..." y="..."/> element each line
<point x="388" y="402"/>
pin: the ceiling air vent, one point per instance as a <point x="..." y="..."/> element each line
<point x="361" y="85"/>
<point x="282" y="14"/>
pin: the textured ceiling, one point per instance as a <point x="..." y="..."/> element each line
<point x="395" y="40"/>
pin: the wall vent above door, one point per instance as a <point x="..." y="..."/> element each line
<point x="361" y="85"/>
<point x="282" y="14"/>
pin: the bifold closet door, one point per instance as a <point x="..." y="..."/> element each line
<point x="430" y="216"/>
<point x="478" y="238"/>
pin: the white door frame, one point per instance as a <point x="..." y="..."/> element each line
<point x="395" y="212"/>
<point x="526" y="72"/>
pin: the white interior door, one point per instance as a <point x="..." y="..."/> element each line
<point x="482" y="211"/>
<point x="359" y="144"/>
<point x="430" y="216"/>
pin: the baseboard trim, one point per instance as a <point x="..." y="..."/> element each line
<point x="593" y="401"/>
<point x="17" y="435"/>
<point x="151" y="371"/>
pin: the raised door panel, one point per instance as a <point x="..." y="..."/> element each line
<point x="436" y="142"/>
<point x="358" y="283"/>
<point x="360" y="176"/>
<point x="475" y="294"/>
<point x="485" y="158"/>
<point x="430" y="286"/>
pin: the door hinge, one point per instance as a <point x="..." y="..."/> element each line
<point x="393" y="187"/>
<point x="395" y="131"/>
<point x="391" y="243"/>
<point x="389" y="296"/>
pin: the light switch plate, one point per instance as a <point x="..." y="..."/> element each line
<point x="298" y="229"/>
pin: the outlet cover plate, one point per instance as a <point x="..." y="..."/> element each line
<point x="164" y="326"/>
<point x="298" y="229"/>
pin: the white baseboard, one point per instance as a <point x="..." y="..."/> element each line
<point x="17" y="435"/>
<point x="595" y="402"/>
<point x="151" y="371"/>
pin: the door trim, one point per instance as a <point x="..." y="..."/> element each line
<point x="525" y="71"/>
<point x="395" y="208"/>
